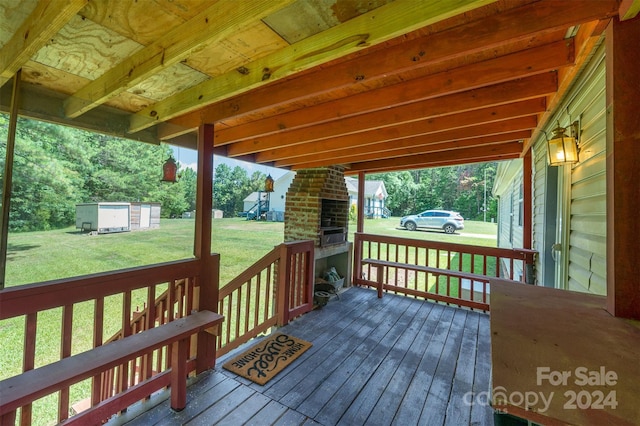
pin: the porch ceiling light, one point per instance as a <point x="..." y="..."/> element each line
<point x="169" y="170"/>
<point x="268" y="184"/>
<point x="563" y="149"/>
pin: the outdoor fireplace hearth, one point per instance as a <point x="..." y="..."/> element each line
<point x="317" y="208"/>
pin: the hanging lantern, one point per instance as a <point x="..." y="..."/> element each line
<point x="268" y="184"/>
<point x="169" y="170"/>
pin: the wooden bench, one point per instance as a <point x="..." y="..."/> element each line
<point x="381" y="264"/>
<point x="20" y="390"/>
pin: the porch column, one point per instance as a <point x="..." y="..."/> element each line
<point x="360" y="221"/>
<point x="527" y="207"/>
<point x="209" y="278"/>
<point x="623" y="173"/>
<point x="8" y="176"/>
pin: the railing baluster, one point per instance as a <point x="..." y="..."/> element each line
<point x="98" y="332"/>
<point x="65" y="351"/>
<point x="444" y="272"/>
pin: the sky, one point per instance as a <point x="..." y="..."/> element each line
<point x="188" y="158"/>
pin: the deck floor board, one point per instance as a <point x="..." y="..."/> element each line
<point x="394" y="360"/>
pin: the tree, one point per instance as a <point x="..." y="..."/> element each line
<point x="459" y="188"/>
<point x="56" y="167"/>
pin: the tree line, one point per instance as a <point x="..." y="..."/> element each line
<point x="459" y="188"/>
<point x="57" y="167"/>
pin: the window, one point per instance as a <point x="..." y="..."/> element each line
<point x="521" y="205"/>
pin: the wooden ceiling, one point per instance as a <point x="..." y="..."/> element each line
<point x="375" y="85"/>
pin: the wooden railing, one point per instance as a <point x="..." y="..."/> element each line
<point x="87" y="297"/>
<point x="175" y="302"/>
<point x="276" y="289"/>
<point x="446" y="272"/>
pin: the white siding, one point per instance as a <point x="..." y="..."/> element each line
<point x="510" y="230"/>
<point x="587" y="227"/>
<point x="539" y="181"/>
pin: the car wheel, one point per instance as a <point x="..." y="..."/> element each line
<point x="449" y="228"/>
<point x="411" y="226"/>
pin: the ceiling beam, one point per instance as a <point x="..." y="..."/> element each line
<point x="439" y="124"/>
<point x="41" y="104"/>
<point x="434" y="164"/>
<point x="526" y="88"/>
<point x="293" y="126"/>
<point x="383" y="23"/>
<point x="518" y="24"/>
<point x="462" y="156"/>
<point x="449" y="139"/>
<point x="499" y="138"/>
<point x="216" y="23"/>
<point x="48" y="17"/>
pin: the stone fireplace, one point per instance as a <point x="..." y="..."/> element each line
<point x="317" y="208"/>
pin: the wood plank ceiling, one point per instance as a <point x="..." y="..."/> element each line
<point x="374" y="85"/>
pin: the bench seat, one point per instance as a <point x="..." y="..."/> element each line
<point x="379" y="283"/>
<point x="22" y="389"/>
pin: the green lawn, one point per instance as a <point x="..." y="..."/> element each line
<point x="41" y="256"/>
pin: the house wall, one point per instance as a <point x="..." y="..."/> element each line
<point x="510" y="213"/>
<point x="585" y="237"/>
<point x="280" y="187"/>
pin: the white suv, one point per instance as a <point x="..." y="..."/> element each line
<point x="448" y="221"/>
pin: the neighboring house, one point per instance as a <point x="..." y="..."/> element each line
<point x="375" y="197"/>
<point x="374" y="191"/>
<point x="251" y="201"/>
<point x="569" y="201"/>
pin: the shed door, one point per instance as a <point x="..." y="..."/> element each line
<point x="145" y="216"/>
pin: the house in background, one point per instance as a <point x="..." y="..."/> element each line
<point x="375" y="197"/>
<point x="250" y="203"/>
<point x="568" y="201"/>
<point x="374" y="191"/>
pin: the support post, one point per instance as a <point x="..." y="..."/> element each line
<point x="360" y="225"/>
<point x="284" y="286"/>
<point x="210" y="264"/>
<point x="179" y="374"/>
<point x="8" y="176"/>
<point x="357" y="249"/>
<point x="623" y="173"/>
<point x="527" y="220"/>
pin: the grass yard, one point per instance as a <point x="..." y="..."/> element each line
<point x="42" y="256"/>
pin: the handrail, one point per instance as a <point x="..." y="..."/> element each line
<point x="283" y="278"/>
<point x="96" y="290"/>
<point x="269" y="293"/>
<point x="447" y="272"/>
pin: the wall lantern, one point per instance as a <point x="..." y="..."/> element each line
<point x="268" y="184"/>
<point x="563" y="149"/>
<point x="169" y="170"/>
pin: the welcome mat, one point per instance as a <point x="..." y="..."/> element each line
<point x="261" y="362"/>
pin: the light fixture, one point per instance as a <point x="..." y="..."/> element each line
<point x="268" y="184"/>
<point x="169" y="170"/>
<point x="563" y="149"/>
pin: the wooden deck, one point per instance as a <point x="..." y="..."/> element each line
<point x="394" y="360"/>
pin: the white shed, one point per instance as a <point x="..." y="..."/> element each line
<point x="103" y="217"/>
